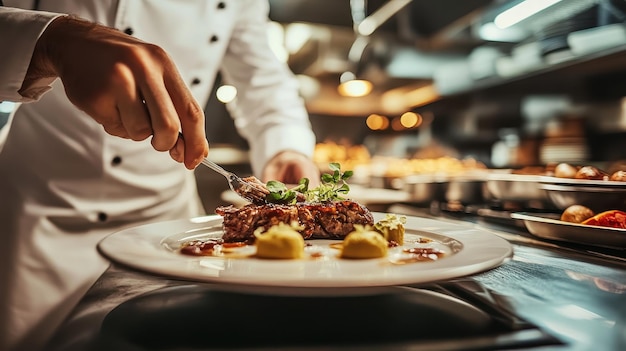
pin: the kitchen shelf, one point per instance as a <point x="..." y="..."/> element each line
<point x="558" y="76"/>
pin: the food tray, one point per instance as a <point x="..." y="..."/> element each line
<point x="548" y="226"/>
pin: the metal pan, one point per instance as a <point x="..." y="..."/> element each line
<point x="516" y="187"/>
<point x="424" y="189"/>
<point x="597" y="198"/>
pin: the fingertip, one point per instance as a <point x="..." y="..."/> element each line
<point x="195" y="153"/>
<point x="164" y="141"/>
<point x="192" y="166"/>
<point x="193" y="162"/>
<point x="175" y="156"/>
<point x="177" y="153"/>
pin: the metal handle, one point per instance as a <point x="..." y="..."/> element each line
<point x="216" y="168"/>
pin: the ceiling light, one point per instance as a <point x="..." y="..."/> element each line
<point x="491" y="32"/>
<point x="353" y="87"/>
<point x="369" y="24"/>
<point x="521" y="11"/>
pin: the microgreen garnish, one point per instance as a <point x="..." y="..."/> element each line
<point x="332" y="187"/>
<point x="281" y="195"/>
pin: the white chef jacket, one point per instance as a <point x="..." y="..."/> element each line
<point x="65" y="183"/>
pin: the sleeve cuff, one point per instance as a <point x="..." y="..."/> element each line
<point x="20" y="31"/>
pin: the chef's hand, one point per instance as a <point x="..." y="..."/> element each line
<point x="291" y="166"/>
<point x="129" y="86"/>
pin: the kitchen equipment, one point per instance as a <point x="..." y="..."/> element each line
<point x="466" y="189"/>
<point x="517" y="188"/>
<point x="595" y="39"/>
<point x="548" y="226"/>
<point x="482" y="61"/>
<point x="597" y="198"/>
<point x="424" y="189"/>
<point x="460" y="313"/>
<point x="250" y="189"/>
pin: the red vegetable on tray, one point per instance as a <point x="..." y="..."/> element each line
<point x="612" y="218"/>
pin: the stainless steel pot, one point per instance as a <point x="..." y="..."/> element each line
<point x="424" y="189"/>
<point x="516" y="188"/>
<point x="465" y="189"/>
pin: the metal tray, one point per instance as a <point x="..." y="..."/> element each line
<point x="597" y="198"/>
<point x="548" y="226"/>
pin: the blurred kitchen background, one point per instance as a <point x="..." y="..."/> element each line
<point x="462" y="83"/>
<point x="499" y="84"/>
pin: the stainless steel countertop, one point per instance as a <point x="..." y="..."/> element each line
<point x="576" y="297"/>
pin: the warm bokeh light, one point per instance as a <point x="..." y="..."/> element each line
<point x="422" y="96"/>
<point x="355" y="88"/>
<point x="396" y="124"/>
<point x="377" y="122"/>
<point x="410" y="120"/>
<point x="226" y="93"/>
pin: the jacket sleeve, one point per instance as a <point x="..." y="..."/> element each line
<point x="20" y="30"/>
<point x="268" y="110"/>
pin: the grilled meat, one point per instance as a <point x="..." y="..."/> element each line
<point x="324" y="220"/>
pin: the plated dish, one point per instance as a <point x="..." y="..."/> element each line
<point x="548" y="226"/>
<point x="154" y="248"/>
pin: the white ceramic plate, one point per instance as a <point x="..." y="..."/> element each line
<point x="154" y="248"/>
<point x="548" y="226"/>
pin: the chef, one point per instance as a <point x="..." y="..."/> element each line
<point x="65" y="183"/>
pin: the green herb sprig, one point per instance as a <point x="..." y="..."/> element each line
<point x="332" y="187"/>
<point x="279" y="194"/>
